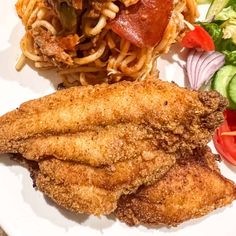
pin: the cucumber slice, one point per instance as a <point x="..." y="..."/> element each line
<point x="221" y="82"/>
<point x="232" y="105"/>
<point x="215" y="8"/>
<point x="222" y="79"/>
<point x="232" y="89"/>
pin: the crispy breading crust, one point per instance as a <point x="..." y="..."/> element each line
<point x="158" y="114"/>
<point x="94" y="190"/>
<point x="191" y="189"/>
<point x="105" y="146"/>
<point x="94" y="144"/>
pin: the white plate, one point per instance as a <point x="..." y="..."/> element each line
<point x="25" y="211"/>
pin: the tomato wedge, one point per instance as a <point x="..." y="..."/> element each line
<point x="231" y="119"/>
<point x="198" y="38"/>
<point x="225" y="144"/>
<point x="144" y="23"/>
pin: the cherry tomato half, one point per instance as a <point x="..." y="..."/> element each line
<point x="224" y="144"/>
<point x="198" y="38"/>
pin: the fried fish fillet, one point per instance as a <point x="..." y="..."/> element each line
<point x="191" y="189"/>
<point x="94" y="144"/>
<point x="96" y="190"/>
<point x="105" y="146"/>
<point x="99" y="125"/>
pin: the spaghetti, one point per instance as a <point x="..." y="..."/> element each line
<point x="74" y="36"/>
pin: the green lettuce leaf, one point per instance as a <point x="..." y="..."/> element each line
<point x="230" y="57"/>
<point x="227" y="13"/>
<point x="231" y="2"/>
<point x="227" y="45"/>
<point x="215" y="32"/>
<point x="229" y="29"/>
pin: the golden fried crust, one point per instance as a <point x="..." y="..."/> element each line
<point x="79" y="199"/>
<point x="179" y="119"/>
<point x="96" y="190"/>
<point x="189" y="190"/>
<point x="203" y="156"/>
<point x="102" y="147"/>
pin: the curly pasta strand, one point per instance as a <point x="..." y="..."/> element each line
<point x="97" y="28"/>
<point x="100" y="55"/>
<point x="92" y="57"/>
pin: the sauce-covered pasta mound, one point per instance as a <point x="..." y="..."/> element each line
<point x="97" y="41"/>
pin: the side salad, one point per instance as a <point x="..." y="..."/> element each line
<point x="211" y="65"/>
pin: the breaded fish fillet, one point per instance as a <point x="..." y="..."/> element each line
<point x="96" y="190"/>
<point x="94" y="144"/>
<point x="191" y="189"/>
<point x="99" y="125"/>
<point x="105" y="146"/>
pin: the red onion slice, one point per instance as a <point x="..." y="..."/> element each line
<point x="198" y="58"/>
<point x="189" y="68"/>
<point x="201" y="66"/>
<point x="210" y="66"/>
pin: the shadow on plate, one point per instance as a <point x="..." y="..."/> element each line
<point x="175" y="50"/>
<point x="231" y="167"/>
<point x="9" y="57"/>
<point x="189" y="223"/>
<point x="45" y="208"/>
<point x="176" y="56"/>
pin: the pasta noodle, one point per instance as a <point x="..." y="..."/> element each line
<point x="46" y="25"/>
<point x="86" y="51"/>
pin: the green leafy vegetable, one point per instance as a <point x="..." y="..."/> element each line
<point x="227" y="44"/>
<point x="227" y="13"/>
<point x="222" y="28"/>
<point x="215" y="8"/>
<point x="230" y="57"/>
<point x="215" y="32"/>
<point x="67" y="15"/>
<point x="230" y="2"/>
<point x="229" y="29"/>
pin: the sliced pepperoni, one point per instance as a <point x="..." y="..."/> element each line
<point x="144" y="23"/>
